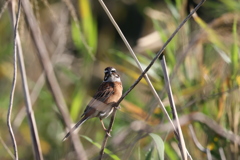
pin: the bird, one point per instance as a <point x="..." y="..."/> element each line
<point x="104" y="100"/>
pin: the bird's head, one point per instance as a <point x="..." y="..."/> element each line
<point x="111" y="75"/>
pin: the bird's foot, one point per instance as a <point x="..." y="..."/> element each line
<point x="108" y="133"/>
<point x="117" y="107"/>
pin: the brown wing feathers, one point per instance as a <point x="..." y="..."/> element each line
<point x="100" y="105"/>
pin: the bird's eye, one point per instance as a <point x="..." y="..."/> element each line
<point x="113" y="70"/>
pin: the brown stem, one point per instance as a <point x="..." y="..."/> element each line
<point x="50" y="76"/>
<point x="107" y="134"/>
<point x="15" y="24"/>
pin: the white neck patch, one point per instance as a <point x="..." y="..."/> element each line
<point x="112" y="78"/>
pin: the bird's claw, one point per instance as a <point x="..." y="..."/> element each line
<point x="108" y="133"/>
<point x="117" y="107"/>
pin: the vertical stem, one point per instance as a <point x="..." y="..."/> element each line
<point x="50" y="76"/>
<point x="14" y="82"/>
<point x="30" y="114"/>
<point x="179" y="134"/>
<point x="107" y="134"/>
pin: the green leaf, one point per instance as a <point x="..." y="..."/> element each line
<point x="149" y="154"/>
<point x="212" y="35"/>
<point x="139" y="152"/>
<point x="107" y="151"/>
<point x="170" y="49"/>
<point x="80" y="42"/>
<point x="159" y="144"/>
<point x="170" y="152"/>
<point x="231" y="5"/>
<point x="234" y="50"/>
<point x="76" y="33"/>
<point x="172" y="8"/>
<point x="88" y="23"/>
<point x="77" y="103"/>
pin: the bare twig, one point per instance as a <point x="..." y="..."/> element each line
<point x="46" y="3"/>
<point x="58" y="52"/>
<point x="51" y="78"/>
<point x="222" y="155"/>
<point x="30" y="114"/>
<point x="6" y="147"/>
<point x="209" y="156"/>
<point x="33" y="96"/>
<point x="107" y="133"/>
<point x="199" y="146"/>
<point x="178" y="133"/>
<point x="202" y="118"/>
<point x="161" y="50"/>
<point x="14" y="82"/>
<point x="31" y="118"/>
<point x="195" y="140"/>
<point x="4" y="7"/>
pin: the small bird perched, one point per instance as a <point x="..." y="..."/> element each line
<point x="101" y="105"/>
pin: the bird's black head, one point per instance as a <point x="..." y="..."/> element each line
<point x="111" y="75"/>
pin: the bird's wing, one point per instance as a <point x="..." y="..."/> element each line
<point x="105" y="90"/>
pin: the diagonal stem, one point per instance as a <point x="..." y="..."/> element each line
<point x="160" y="52"/>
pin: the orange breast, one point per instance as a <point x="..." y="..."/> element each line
<point x="117" y="92"/>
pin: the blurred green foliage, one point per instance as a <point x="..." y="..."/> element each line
<point x="203" y="61"/>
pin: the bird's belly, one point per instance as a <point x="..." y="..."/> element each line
<point x="106" y="113"/>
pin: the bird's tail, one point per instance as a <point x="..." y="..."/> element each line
<point x="76" y="126"/>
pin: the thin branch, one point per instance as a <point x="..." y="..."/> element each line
<point x="202" y="118"/>
<point x="222" y="155"/>
<point x="50" y="76"/>
<point x="6" y="147"/>
<point x="199" y="146"/>
<point x="107" y="133"/>
<point x="178" y="133"/>
<point x="30" y="114"/>
<point x="58" y="52"/>
<point x="14" y="83"/>
<point x="46" y="3"/>
<point x="4" y="7"/>
<point x="31" y="118"/>
<point x="33" y="96"/>
<point x="161" y="50"/>
<point x="209" y="156"/>
<point x="195" y="140"/>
